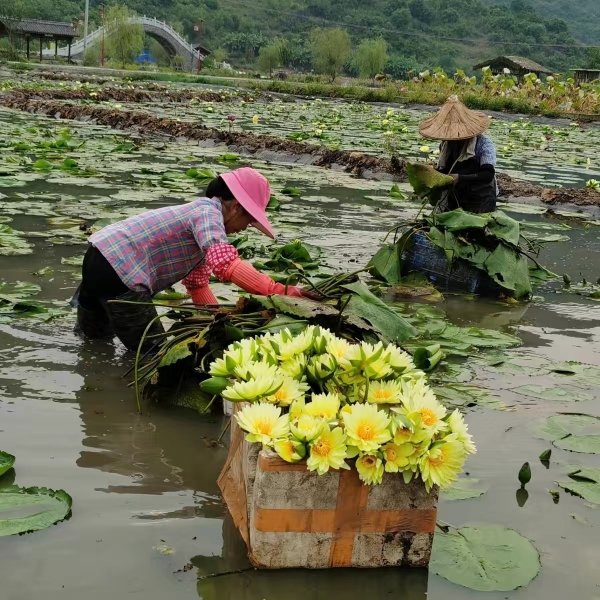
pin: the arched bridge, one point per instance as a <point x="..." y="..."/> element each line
<point x="164" y="34"/>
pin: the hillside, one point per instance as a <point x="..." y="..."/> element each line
<point x="582" y="16"/>
<point x="420" y="33"/>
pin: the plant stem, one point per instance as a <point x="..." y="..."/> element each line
<point x="224" y="431"/>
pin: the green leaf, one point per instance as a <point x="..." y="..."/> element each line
<point x="291" y="191"/>
<point x="170" y="294"/>
<point x="215" y="385"/>
<point x="585" y="444"/>
<point x="561" y="425"/>
<point x="460" y="395"/>
<point x="485" y="558"/>
<point x="387" y="323"/>
<point x="587" y="490"/>
<point x="425" y="178"/>
<point x="7" y="462"/>
<point x="465" y="488"/>
<point x="572" y="431"/>
<point x="479" y="337"/>
<point x="427" y="357"/>
<point x="504" y="228"/>
<point x="510" y="270"/>
<point x="42" y="165"/>
<point x="457" y="220"/>
<point x="385" y="264"/>
<point x="552" y="393"/>
<point x="584" y="473"/>
<point x="23" y="510"/>
<point x="273" y="204"/>
<point x="228" y="157"/>
<point x="176" y="353"/>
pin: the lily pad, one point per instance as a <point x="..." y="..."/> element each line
<point x="390" y="325"/>
<point x="556" y="394"/>
<point x="485" y="558"/>
<point x="575" y="432"/>
<point x="460" y="395"/>
<point x="23" y="510"/>
<point x="480" y="337"/>
<point x="465" y="488"/>
<point x="7" y="462"/>
<point x="586" y="483"/>
<point x="385" y="264"/>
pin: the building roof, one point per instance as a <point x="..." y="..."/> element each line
<point x="38" y="28"/>
<point x="204" y="51"/>
<point x="515" y="63"/>
<point x="586" y="70"/>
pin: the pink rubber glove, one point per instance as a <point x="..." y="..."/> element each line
<point x="244" y="275"/>
<point x="203" y="296"/>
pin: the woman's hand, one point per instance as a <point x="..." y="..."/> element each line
<point x="455" y="177"/>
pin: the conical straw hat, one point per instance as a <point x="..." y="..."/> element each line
<point x="454" y="121"/>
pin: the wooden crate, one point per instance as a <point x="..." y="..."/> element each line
<point x="291" y="517"/>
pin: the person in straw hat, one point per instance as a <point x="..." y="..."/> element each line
<point x="466" y="154"/>
<point x="134" y="259"/>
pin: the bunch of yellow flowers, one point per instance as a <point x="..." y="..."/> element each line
<point x="317" y="397"/>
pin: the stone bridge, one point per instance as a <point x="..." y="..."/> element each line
<point x="164" y="34"/>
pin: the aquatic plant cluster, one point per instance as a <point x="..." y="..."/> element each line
<point x="319" y="397"/>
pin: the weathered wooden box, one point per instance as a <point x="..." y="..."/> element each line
<point x="291" y="517"/>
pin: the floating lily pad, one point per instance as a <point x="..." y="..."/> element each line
<point x="465" y="488"/>
<point x="486" y="558"/>
<point x="573" y="431"/>
<point x="586" y="483"/>
<point x="556" y="394"/>
<point x="7" y="462"/>
<point x="23" y="510"/>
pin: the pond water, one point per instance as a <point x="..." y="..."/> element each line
<point x="145" y="499"/>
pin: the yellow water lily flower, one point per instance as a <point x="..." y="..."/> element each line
<point x="291" y="450"/>
<point x="385" y="122"/>
<point x="328" y="451"/>
<point x="239" y="353"/>
<point x="459" y="427"/>
<point x="384" y="392"/>
<point x="370" y="469"/>
<point x="292" y="346"/>
<point x="339" y="349"/>
<point x="255" y="370"/>
<point x="367" y="359"/>
<point x="424" y="149"/>
<point x="400" y="361"/>
<point x="418" y="398"/>
<point x="396" y="456"/>
<point x="366" y="427"/>
<point x="294" y="367"/>
<point x="306" y="428"/>
<point x="297" y="409"/>
<point x="252" y="390"/>
<point x="255" y="119"/>
<point x="442" y="463"/>
<point x="321" y="368"/>
<point x="263" y="422"/>
<point x="324" y="406"/>
<point x="290" y="390"/>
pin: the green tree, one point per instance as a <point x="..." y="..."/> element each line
<point x="125" y="40"/>
<point x="330" y="49"/>
<point x="370" y="58"/>
<point x="269" y="57"/>
<point x="220" y="55"/>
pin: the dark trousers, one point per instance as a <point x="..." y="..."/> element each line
<point x="97" y="317"/>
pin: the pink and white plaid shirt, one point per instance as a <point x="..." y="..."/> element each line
<point x="156" y="249"/>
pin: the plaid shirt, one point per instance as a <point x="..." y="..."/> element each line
<point x="155" y="249"/>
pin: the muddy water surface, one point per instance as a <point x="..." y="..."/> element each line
<point x="145" y="500"/>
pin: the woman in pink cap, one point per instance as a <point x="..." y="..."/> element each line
<point x="145" y="254"/>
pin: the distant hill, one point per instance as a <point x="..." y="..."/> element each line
<point x="420" y="33"/>
<point x="582" y="16"/>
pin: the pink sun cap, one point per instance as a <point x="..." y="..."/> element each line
<point x="253" y="192"/>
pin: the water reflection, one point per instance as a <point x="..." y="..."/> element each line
<point x="245" y="583"/>
<point x="522" y="497"/>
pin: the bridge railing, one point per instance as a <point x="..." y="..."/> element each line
<point x="80" y="44"/>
